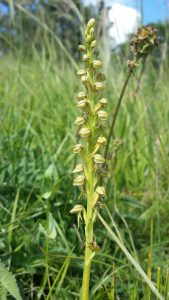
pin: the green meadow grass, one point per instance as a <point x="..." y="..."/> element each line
<point x="37" y="99"/>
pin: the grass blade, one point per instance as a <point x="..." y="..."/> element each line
<point x="131" y="259"/>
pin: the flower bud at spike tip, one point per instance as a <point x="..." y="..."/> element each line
<point x="97" y="64"/>
<point x="99" y="159"/>
<point x="78" y="168"/>
<point x="79" y="121"/>
<point x="77" y="148"/>
<point x="77" y="209"/>
<point x="101" y="190"/>
<point x="99" y="86"/>
<point x="90" y="23"/>
<point x="79" y="180"/>
<point x="84" y="132"/>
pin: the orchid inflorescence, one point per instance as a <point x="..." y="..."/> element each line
<point x="90" y="125"/>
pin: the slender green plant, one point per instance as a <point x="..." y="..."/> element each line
<point x="91" y="126"/>
<point x="91" y="167"/>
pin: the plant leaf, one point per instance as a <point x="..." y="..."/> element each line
<point x="8" y="281"/>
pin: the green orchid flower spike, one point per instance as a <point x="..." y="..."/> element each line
<point x="90" y="124"/>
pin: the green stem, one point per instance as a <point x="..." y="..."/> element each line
<point x="117" y="111"/>
<point x="88" y="231"/>
<point x="89" y="193"/>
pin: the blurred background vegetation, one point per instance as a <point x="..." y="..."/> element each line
<point x="38" y="87"/>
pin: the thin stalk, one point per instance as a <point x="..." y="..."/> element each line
<point x="88" y="233"/>
<point x="140" y="77"/>
<point x="117" y="111"/>
<point x="46" y="272"/>
<point x="89" y="193"/>
<point x="120" y="101"/>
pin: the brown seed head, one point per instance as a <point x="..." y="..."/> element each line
<point x="144" y="41"/>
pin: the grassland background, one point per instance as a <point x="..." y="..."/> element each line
<point x="38" y="109"/>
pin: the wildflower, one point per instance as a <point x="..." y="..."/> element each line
<point x="78" y="208"/>
<point x="84" y="132"/>
<point x="82" y="48"/>
<point x="86" y="57"/>
<point x="102" y="140"/>
<point x="82" y="104"/>
<point x="102" y="115"/>
<point x="79" y="180"/>
<point x="81" y="72"/>
<point x="91" y="23"/>
<point x="79" y="121"/>
<point x="79" y="168"/>
<point x="101" y="190"/>
<point x="93" y="44"/>
<point x="81" y="96"/>
<point x="77" y="148"/>
<point x="99" y="86"/>
<point x="99" y="159"/>
<point x="97" y="64"/>
<point x="103" y="102"/>
<point x="93" y="166"/>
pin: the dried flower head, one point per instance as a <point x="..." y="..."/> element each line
<point x="144" y="41"/>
